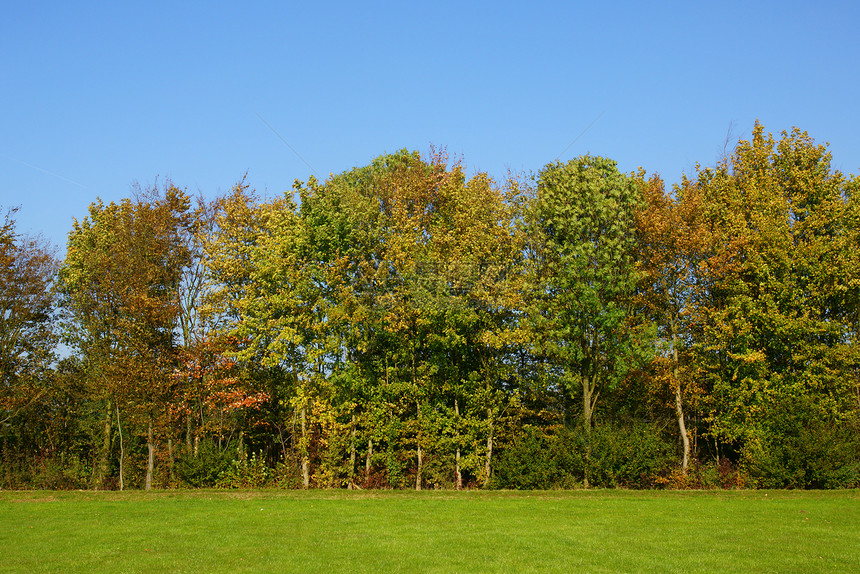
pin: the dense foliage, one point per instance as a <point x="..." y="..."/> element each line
<point x="405" y="325"/>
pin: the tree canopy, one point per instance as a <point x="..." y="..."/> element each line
<point x="411" y="324"/>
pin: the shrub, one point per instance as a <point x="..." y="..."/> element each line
<point x="704" y="475"/>
<point x="203" y="469"/>
<point x="286" y="474"/>
<point x="628" y="456"/>
<point x="60" y="473"/>
<point x="535" y="460"/>
<point x="42" y="472"/>
<point x="621" y="456"/>
<point x="245" y="473"/>
<point x="799" y="447"/>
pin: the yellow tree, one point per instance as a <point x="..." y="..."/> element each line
<point x="777" y="293"/>
<point x="669" y="243"/>
<point x="213" y="389"/>
<point x="476" y="288"/>
<point x="264" y="304"/>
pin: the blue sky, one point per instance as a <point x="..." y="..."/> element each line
<point x="97" y="96"/>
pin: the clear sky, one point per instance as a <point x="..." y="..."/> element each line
<point x="97" y="96"/>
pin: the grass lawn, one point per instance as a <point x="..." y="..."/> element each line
<point x="337" y="531"/>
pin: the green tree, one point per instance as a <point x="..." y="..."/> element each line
<point x="342" y="221"/>
<point x="582" y="273"/>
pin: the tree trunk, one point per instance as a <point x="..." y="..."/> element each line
<point x="352" y="455"/>
<point x="682" y="427"/>
<point x="418" y="474"/>
<point x="306" y="477"/>
<point x="170" y="460"/>
<point x="420" y="454"/>
<point x="587" y="404"/>
<point x="457" y="461"/>
<point x="121" y="452"/>
<point x="418" y="418"/>
<point x="150" y="460"/>
<point x="100" y="469"/>
<point x="589" y="399"/>
<point x="679" y="407"/>
<point x="367" y="464"/>
<point x="489" y="465"/>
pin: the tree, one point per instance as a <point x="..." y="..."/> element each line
<point x="411" y="267"/>
<point x="27" y="336"/>
<point x="582" y="274"/>
<point x="120" y="280"/>
<point x="777" y="290"/>
<point x="263" y="301"/>
<point x="669" y="243"/>
<point x="342" y="221"/>
<point x="475" y="288"/>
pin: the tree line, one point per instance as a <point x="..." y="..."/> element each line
<point x="404" y="325"/>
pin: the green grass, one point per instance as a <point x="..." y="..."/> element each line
<point x="335" y="531"/>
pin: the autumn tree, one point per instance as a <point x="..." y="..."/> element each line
<point x="669" y="243"/>
<point x="120" y="283"/>
<point x="27" y="334"/>
<point x="476" y="288"/>
<point x="410" y="260"/>
<point x="262" y="301"/>
<point x="776" y="316"/>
